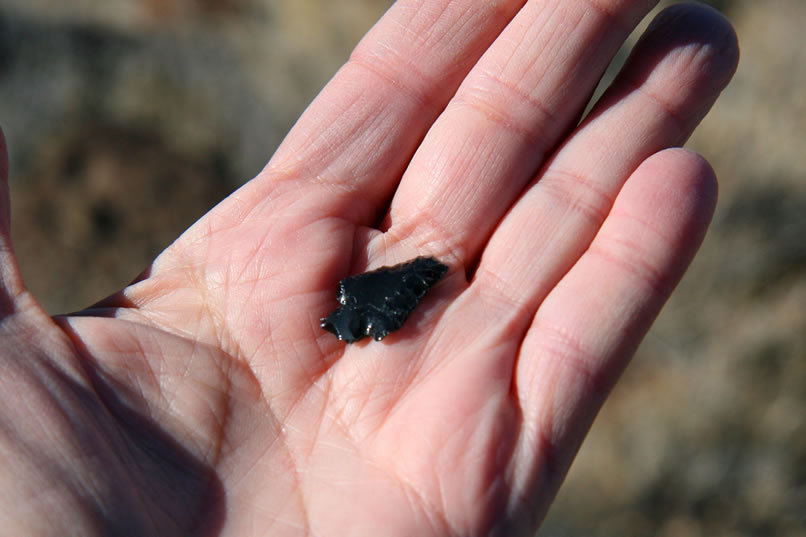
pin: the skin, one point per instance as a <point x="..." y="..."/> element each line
<point x="205" y="399"/>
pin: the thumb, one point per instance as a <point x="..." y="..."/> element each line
<point x="11" y="285"/>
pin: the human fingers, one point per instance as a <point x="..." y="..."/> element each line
<point x="674" y="75"/>
<point x="287" y="234"/>
<point x="510" y="112"/>
<point x="350" y="147"/>
<point x="676" y="72"/>
<point x="590" y="324"/>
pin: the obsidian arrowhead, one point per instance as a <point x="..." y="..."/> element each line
<point x="378" y="302"/>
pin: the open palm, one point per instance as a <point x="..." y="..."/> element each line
<point x="206" y="399"/>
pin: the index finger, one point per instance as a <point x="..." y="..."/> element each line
<point x="354" y="141"/>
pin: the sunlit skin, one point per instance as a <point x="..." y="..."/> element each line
<point x="205" y="399"/>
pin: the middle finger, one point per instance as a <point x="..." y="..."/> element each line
<point x="511" y="110"/>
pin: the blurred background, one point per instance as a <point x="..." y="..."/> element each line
<point x="128" y="119"/>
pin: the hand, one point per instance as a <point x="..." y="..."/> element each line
<point x="205" y="399"/>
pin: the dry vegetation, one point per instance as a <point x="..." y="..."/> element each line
<point x="128" y="120"/>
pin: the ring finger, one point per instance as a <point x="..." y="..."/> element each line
<point x="506" y="117"/>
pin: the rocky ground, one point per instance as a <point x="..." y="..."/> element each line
<point x="128" y="120"/>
